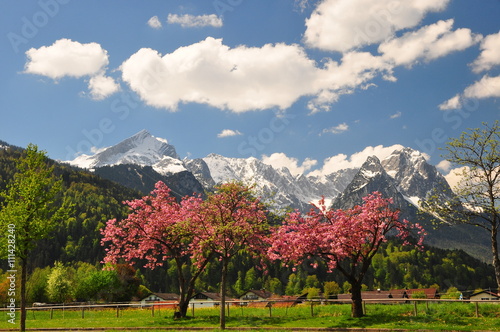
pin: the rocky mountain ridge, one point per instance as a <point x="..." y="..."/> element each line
<point x="405" y="171"/>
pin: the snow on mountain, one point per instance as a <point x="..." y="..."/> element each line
<point x="277" y="185"/>
<point x="405" y="169"/>
<point x="415" y="177"/>
<point x="141" y="149"/>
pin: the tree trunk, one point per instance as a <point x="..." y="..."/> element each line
<point x="223" y="281"/>
<point x="494" y="250"/>
<point x="24" y="272"/>
<point x="183" y="296"/>
<point x="357" y="301"/>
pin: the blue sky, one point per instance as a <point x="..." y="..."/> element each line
<point x="313" y="85"/>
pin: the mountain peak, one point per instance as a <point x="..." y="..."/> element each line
<point x="140" y="149"/>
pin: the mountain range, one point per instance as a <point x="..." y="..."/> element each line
<point x="140" y="161"/>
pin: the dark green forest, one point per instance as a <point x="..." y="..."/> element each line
<point x="71" y="258"/>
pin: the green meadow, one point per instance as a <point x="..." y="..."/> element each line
<point x="423" y="316"/>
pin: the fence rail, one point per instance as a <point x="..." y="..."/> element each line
<point x="239" y="303"/>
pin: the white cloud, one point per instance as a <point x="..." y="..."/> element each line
<point x="444" y="165"/>
<point x="66" y="58"/>
<point x="355" y="70"/>
<point x="341" y="25"/>
<point x="490" y="54"/>
<point x="451" y="104"/>
<point x="395" y="115"/>
<point x="339" y="129"/>
<point x="101" y="87"/>
<point x="280" y="160"/>
<point x="228" y="133"/>
<point x="428" y="43"/>
<point x="239" y="79"/>
<point x="487" y="87"/>
<point x="154" y="22"/>
<point x="356" y="160"/>
<point x="191" y="21"/>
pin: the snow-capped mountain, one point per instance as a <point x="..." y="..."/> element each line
<point x="276" y="185"/>
<point x="404" y="175"/>
<point x="141" y="149"/>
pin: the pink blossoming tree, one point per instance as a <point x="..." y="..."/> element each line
<point x="345" y="240"/>
<point x="159" y="229"/>
<point x="230" y="220"/>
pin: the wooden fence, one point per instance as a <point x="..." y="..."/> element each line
<point x="117" y="308"/>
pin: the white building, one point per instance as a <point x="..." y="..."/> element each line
<point x="484" y="296"/>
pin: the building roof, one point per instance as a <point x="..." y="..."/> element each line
<point x="210" y="296"/>
<point x="165" y="296"/>
<point x="430" y="293"/>
<point x="262" y="293"/>
<point x="486" y="292"/>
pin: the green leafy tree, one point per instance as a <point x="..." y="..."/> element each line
<point x="290" y="286"/>
<point x="274" y="285"/>
<point x="28" y="212"/>
<point x="451" y="293"/>
<point x="331" y="288"/>
<point x="312" y="292"/>
<point x="59" y="288"/>
<point x="37" y="285"/>
<point x="312" y="281"/>
<point x="477" y="195"/>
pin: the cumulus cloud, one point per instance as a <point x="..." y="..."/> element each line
<point x="356" y="160"/>
<point x="101" y="87"/>
<point x="427" y="43"/>
<point x="444" y="166"/>
<point x="451" y="104"/>
<point x="208" y="72"/>
<point x="490" y="54"/>
<point x="229" y="133"/>
<point x="355" y="70"/>
<point x="339" y="129"/>
<point x="280" y="160"/>
<point x="66" y="58"/>
<point x="154" y="22"/>
<point x="342" y="25"/>
<point x="191" y="21"/>
<point x="487" y="87"/>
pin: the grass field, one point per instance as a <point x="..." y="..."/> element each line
<point x="433" y="316"/>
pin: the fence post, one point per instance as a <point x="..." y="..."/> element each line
<point x="477" y="309"/>
<point x="192" y="309"/>
<point x="312" y="309"/>
<point x="51" y="312"/>
<point x="83" y="312"/>
<point x="153" y="310"/>
<point x="364" y="307"/>
<point x="117" y="311"/>
<point x="415" y="308"/>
